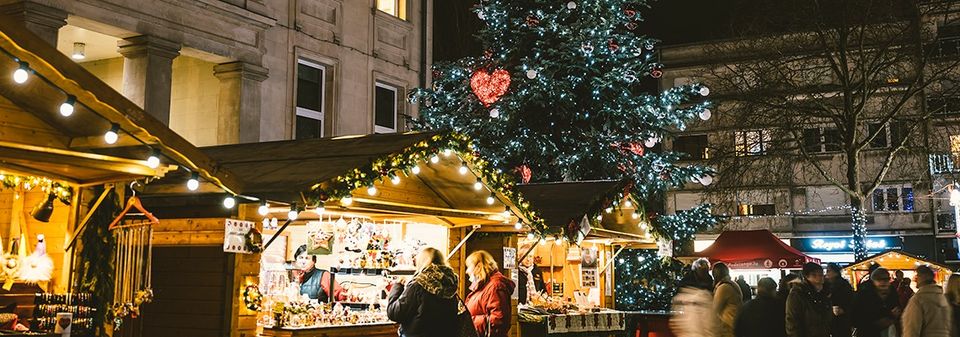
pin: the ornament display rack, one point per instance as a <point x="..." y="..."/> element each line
<point x="372" y="271"/>
<point x="48" y="305"/>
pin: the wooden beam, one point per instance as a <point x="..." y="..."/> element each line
<point x="20" y="169"/>
<point x="97" y="142"/>
<point x="379" y="205"/>
<point x="88" y="160"/>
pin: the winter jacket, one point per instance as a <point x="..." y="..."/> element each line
<point x="489" y="304"/>
<point x="760" y="317"/>
<point x="726" y="303"/>
<point x="927" y="314"/>
<point x="808" y="312"/>
<point x="871" y="313"/>
<point x="316" y="285"/>
<point x="955" y="330"/>
<point x="691" y="305"/>
<point x="691" y="279"/>
<point x="841" y="295"/>
<point x="745" y="290"/>
<point x="530" y="280"/>
<point x="427" y="305"/>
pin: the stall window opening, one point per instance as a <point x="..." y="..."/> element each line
<point x="385" y="108"/>
<point x="753" y="142"/>
<point x="310" y="99"/>
<point x="396" y="8"/>
<point x="893" y="199"/>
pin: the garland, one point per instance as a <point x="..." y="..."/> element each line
<point x="62" y="191"/>
<point x="94" y="260"/>
<point x="252" y="298"/>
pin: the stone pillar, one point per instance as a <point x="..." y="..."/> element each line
<point x="147" y="73"/>
<point x="238" y="106"/>
<point x="41" y="20"/>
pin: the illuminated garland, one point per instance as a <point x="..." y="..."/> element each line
<point x="403" y="162"/>
<point x="252" y="298"/>
<point x="63" y="192"/>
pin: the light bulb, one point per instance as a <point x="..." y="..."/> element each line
<point x="263" y="210"/>
<point x="447" y="152"/>
<point x="372" y="190"/>
<point x="20" y="75"/>
<point x="415" y="169"/>
<point x="635" y="215"/>
<point x="628" y="204"/>
<point x="705" y="114"/>
<point x="292" y="215"/>
<point x="531" y="74"/>
<point x="463" y="168"/>
<point x="395" y="179"/>
<point x="478" y="185"/>
<point x="608" y="209"/>
<point x="194" y="182"/>
<point x="154" y="160"/>
<point x="571" y="5"/>
<point x="346" y="201"/>
<point x="517" y="225"/>
<point x="435" y="159"/>
<point x="494" y="113"/>
<point x="490" y="199"/>
<point x="229" y="202"/>
<point x="705" y="180"/>
<point x="599" y="217"/>
<point x="112" y="135"/>
<point x="506" y="212"/>
<point x="66" y="109"/>
<point x="530" y="236"/>
<point x="704" y="91"/>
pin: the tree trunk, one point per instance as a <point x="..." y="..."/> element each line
<point x="858" y="221"/>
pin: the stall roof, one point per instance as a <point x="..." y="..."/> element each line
<point x="37" y="140"/>
<point x="560" y="202"/>
<point x="895" y="260"/>
<point x="756" y="249"/>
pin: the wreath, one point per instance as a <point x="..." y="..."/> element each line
<point x="252" y="297"/>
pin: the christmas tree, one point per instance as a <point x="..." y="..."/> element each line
<point x="559" y="95"/>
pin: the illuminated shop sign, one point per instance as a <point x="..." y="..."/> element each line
<point x="843" y="245"/>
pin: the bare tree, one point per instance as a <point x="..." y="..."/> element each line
<point x="838" y="94"/>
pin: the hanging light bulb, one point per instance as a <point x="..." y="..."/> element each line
<point x="66" y="109"/>
<point x="346" y="201"/>
<point x="463" y="168"/>
<point x="79" y="51"/>
<point x="435" y="159"/>
<point x="490" y="199"/>
<point x="154" y="160"/>
<point x="518" y="225"/>
<point x="635" y="215"/>
<point x="530" y="236"/>
<point x="112" y="135"/>
<point x="628" y="204"/>
<point x="705" y="114"/>
<point x="478" y="185"/>
<point x="506" y="212"/>
<point x="229" y="202"/>
<point x="20" y="75"/>
<point x="320" y="209"/>
<point x="194" y="182"/>
<point x="263" y="210"/>
<point x="293" y="213"/>
<point x="415" y="169"/>
<point x="447" y="152"/>
<point x="372" y="190"/>
<point x="395" y="179"/>
<point x="608" y="210"/>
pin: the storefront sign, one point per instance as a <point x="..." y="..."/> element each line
<point x="842" y="245"/>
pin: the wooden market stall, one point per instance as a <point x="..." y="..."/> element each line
<point x="57" y="168"/>
<point x="894" y="260"/>
<point x="372" y="200"/>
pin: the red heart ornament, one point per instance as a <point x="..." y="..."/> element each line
<point x="489" y="86"/>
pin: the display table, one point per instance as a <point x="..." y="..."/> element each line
<point x="604" y="323"/>
<point x="356" y="330"/>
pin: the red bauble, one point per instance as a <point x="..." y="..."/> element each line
<point x="630" y="13"/>
<point x="613" y="45"/>
<point x="525" y="173"/>
<point x="436" y="74"/>
<point x="532" y="21"/>
<point x="656" y="73"/>
<point x="489" y="86"/>
<point x="631" y="25"/>
<point x="636" y="148"/>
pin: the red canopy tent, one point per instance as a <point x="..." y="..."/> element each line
<point x="758" y="249"/>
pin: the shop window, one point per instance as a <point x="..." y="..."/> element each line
<point x="821" y="140"/>
<point x="393" y="7"/>
<point x="385" y="109"/>
<point x="694" y="146"/>
<point x="763" y="209"/>
<point x="893" y="199"/>
<point x="753" y="142"/>
<point x="310" y="99"/>
<point x="889" y="135"/>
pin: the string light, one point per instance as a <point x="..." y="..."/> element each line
<point x="463" y="168"/>
<point x="194" y="182"/>
<point x="490" y="199"/>
<point x="506" y="213"/>
<point x="372" y="190"/>
<point x="395" y="179"/>
<point x="530" y="236"/>
<point x="22" y="73"/>
<point x="435" y="159"/>
<point x="447" y="152"/>
<point x="346" y="201"/>
<point x="229" y="202"/>
<point x="518" y="225"/>
<point x="415" y="169"/>
<point x="66" y="109"/>
<point x="263" y="210"/>
<point x="112" y="135"/>
<point x="293" y="213"/>
<point x="478" y="185"/>
<point x="628" y="204"/>
<point x="154" y="160"/>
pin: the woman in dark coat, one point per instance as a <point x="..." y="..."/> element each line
<point x="762" y="316"/>
<point x="876" y="307"/>
<point x="427" y="305"/>
<point x="841" y="296"/>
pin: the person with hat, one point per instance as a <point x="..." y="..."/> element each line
<point x="876" y="307"/>
<point x="808" y="311"/>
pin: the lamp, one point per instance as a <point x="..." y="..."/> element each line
<point x="44" y="210"/>
<point x="79" y="51"/>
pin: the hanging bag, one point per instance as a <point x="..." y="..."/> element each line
<point x="465" y="320"/>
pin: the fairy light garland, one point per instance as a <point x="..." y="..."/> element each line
<point x="63" y="192"/>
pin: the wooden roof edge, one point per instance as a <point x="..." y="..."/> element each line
<point x="89" y="90"/>
<point x="897" y="251"/>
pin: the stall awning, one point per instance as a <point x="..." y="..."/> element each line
<point x="37" y="140"/>
<point x="895" y="260"/>
<point x="558" y="203"/>
<point x="756" y="249"/>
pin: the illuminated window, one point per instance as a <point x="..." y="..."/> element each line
<point x="754" y="142"/>
<point x="393" y="7"/>
<point x="756" y="210"/>
<point x="893" y="199"/>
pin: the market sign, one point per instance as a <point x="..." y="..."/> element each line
<point x="844" y="245"/>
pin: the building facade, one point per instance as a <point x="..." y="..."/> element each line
<point x="233" y="71"/>
<point x="909" y="210"/>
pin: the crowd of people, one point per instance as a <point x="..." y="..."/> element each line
<point x="815" y="303"/>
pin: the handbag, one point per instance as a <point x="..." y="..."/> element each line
<point x="465" y="320"/>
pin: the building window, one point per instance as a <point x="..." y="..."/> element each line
<point x="695" y="146"/>
<point x="310" y="99"/>
<point x="756" y="210"/>
<point x="820" y="140"/>
<point x="753" y="142"/>
<point x="888" y="136"/>
<point x="893" y="199"/>
<point x="393" y="7"/>
<point x="385" y="109"/>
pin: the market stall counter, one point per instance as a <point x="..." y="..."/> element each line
<point x="385" y="329"/>
<point x="597" y="322"/>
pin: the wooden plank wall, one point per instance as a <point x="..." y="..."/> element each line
<point x="190" y="286"/>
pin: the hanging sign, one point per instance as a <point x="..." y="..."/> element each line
<point x="665" y="248"/>
<point x="509" y="258"/>
<point x="237" y="237"/>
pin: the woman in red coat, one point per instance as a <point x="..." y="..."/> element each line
<point x="489" y="298"/>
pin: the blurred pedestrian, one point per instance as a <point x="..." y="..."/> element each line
<point x="762" y="316"/>
<point x="726" y="300"/>
<point x="489" y="298"/>
<point x="698" y="276"/>
<point x="952" y="293"/>
<point x="693" y="302"/>
<point x="876" y="307"/>
<point x="744" y="289"/>
<point x="927" y="314"/>
<point x="808" y="311"/>
<point x="786" y="282"/>
<point x="841" y="297"/>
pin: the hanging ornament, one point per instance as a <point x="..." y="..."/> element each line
<point x="629" y="76"/>
<point x="704" y="90"/>
<point x="494" y="113"/>
<point x="648" y="46"/>
<point x="631" y="25"/>
<point x="481" y="15"/>
<point x="489" y="86"/>
<point x="531" y="74"/>
<point x="586" y="47"/>
<point x="436" y="73"/>
<point x="656" y="73"/>
<point x="571" y="5"/>
<point x="705" y="180"/>
<point x="630" y="13"/>
<point x="613" y="45"/>
<point x="705" y="114"/>
<point x="532" y="21"/>
<point x="651" y="142"/>
<point x="525" y="173"/>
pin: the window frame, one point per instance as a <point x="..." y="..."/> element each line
<point x="704" y="150"/>
<point x="885" y="194"/>
<point x="399" y="5"/>
<point x="822" y="133"/>
<point x="396" y="108"/>
<point x="743" y="147"/>
<point x="306" y="112"/>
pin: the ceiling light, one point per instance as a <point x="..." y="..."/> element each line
<point x="79" y="51"/>
<point x="154" y="160"/>
<point x="66" y="109"/>
<point x="229" y="202"/>
<point x="20" y="75"/>
<point x="194" y="182"/>
<point x="112" y="135"/>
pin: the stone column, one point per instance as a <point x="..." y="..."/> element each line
<point x="147" y="73"/>
<point x="41" y="20"/>
<point x="238" y="106"/>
